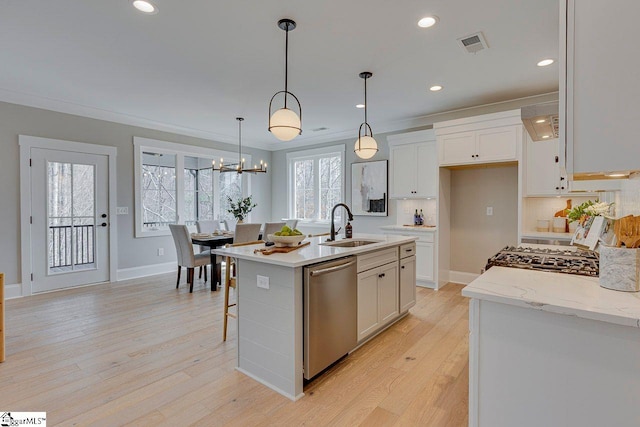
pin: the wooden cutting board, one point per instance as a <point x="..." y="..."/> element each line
<point x="283" y="250"/>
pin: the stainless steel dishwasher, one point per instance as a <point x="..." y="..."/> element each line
<point x="330" y="313"/>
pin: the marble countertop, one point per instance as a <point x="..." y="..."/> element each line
<point x="420" y="229"/>
<point x="315" y="252"/>
<point x="566" y="294"/>
<point x="547" y="235"/>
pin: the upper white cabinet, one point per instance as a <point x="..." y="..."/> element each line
<point x="599" y="89"/>
<point x="490" y="138"/>
<point x="414" y="165"/>
<point x="543" y="176"/>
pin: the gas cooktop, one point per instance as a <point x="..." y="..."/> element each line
<point x="581" y="262"/>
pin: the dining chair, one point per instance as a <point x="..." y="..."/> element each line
<point x="230" y="224"/>
<point x="186" y="256"/>
<point x="208" y="226"/>
<point x="230" y="282"/>
<point x="271" y="227"/>
<point x="246" y="232"/>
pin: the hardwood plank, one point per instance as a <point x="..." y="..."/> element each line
<point x="140" y="352"/>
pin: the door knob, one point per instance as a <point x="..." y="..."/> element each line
<point x="104" y="224"/>
<point x="103" y="215"/>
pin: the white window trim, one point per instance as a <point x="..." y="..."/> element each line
<point x="180" y="151"/>
<point x="312" y="154"/>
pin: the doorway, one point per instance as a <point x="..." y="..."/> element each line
<point x="70" y="224"/>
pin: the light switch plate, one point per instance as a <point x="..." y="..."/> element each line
<point x="489" y="210"/>
<point x="263" y="282"/>
<point x="122" y="210"/>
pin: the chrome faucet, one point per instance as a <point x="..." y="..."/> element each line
<point x="333" y="227"/>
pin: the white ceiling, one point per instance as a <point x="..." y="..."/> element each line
<point x="197" y="64"/>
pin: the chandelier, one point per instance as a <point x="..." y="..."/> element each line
<point x="240" y="166"/>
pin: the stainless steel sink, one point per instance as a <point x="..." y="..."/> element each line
<point x="350" y="243"/>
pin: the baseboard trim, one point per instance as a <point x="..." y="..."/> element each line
<point x="462" y="277"/>
<point x="146" y="270"/>
<point x="13" y="291"/>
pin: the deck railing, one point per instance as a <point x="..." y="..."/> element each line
<point x="62" y="253"/>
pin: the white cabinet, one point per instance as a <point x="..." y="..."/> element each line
<point x="490" y="138"/>
<point x="482" y="146"/>
<point x="424" y="263"/>
<point x="599" y="88"/>
<point x="407" y="283"/>
<point x="414" y="165"/>
<point x="543" y="176"/>
<point x="378" y="295"/>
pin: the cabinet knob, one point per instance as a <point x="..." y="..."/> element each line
<point x="562" y="188"/>
<point x="402" y="267"/>
<point x="557" y="188"/>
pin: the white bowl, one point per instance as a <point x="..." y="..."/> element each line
<point x="282" y="241"/>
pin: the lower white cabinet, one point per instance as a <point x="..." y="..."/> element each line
<point x="378" y="298"/>
<point x="407" y="283"/>
<point x="424" y="268"/>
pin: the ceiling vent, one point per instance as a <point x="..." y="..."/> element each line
<point x="473" y="43"/>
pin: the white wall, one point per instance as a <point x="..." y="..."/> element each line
<point x="132" y="252"/>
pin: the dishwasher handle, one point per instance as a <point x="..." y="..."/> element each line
<point x="314" y="273"/>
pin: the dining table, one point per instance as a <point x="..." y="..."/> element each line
<point x="213" y="241"/>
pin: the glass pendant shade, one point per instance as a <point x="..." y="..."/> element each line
<point x="366" y="147"/>
<point x="284" y="124"/>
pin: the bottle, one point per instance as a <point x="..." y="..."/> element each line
<point x="348" y="231"/>
<point x="416" y="218"/>
<point x="421" y="217"/>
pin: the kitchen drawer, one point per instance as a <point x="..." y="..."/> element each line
<point x="426" y="237"/>
<point x="407" y="250"/>
<point x="377" y="258"/>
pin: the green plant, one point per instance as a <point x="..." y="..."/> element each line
<point x="577" y="212"/>
<point x="241" y="208"/>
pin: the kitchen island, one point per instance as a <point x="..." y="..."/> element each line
<point x="552" y="349"/>
<point x="270" y="301"/>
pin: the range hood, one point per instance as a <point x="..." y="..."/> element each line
<point x="541" y="120"/>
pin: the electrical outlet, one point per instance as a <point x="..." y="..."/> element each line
<point x="489" y="210"/>
<point x="263" y="282"/>
<point x="160" y="251"/>
<point x="122" y="210"/>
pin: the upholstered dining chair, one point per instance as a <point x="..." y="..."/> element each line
<point x="292" y="223"/>
<point x="208" y="226"/>
<point x="230" y="224"/>
<point x="246" y="232"/>
<point x="186" y="256"/>
<point x="230" y="282"/>
<point x="272" y="227"/>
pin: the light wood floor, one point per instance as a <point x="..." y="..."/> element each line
<point x="142" y="353"/>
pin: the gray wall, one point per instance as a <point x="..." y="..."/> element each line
<point x="475" y="236"/>
<point x="132" y="252"/>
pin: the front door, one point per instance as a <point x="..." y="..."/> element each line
<point x="69" y="219"/>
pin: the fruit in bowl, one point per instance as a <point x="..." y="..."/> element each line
<point x="286" y="237"/>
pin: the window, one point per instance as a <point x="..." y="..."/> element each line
<point x="175" y="184"/>
<point x="316" y="183"/>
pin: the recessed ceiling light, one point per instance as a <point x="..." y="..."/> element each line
<point x="540" y="121"/>
<point x="545" y="136"/>
<point x="145" y="6"/>
<point x="428" y="21"/>
<point x="545" y="62"/>
<point x="435" y="88"/>
<point x="360" y="106"/>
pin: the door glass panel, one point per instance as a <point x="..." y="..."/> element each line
<point x="71" y="216"/>
<point x="158" y="190"/>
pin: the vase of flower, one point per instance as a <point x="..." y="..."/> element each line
<point x="240" y="208"/>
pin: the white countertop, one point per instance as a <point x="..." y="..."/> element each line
<point x="547" y="235"/>
<point x="419" y="229"/>
<point x="566" y="294"/>
<point x="315" y="252"/>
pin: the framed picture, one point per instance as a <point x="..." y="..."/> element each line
<point x="369" y="188"/>
<point x="588" y="234"/>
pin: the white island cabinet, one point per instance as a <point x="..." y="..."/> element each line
<point x="552" y="349"/>
<point x="270" y="303"/>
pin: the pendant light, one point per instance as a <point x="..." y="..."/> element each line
<point x="239" y="167"/>
<point x="285" y="123"/>
<point x="366" y="147"/>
